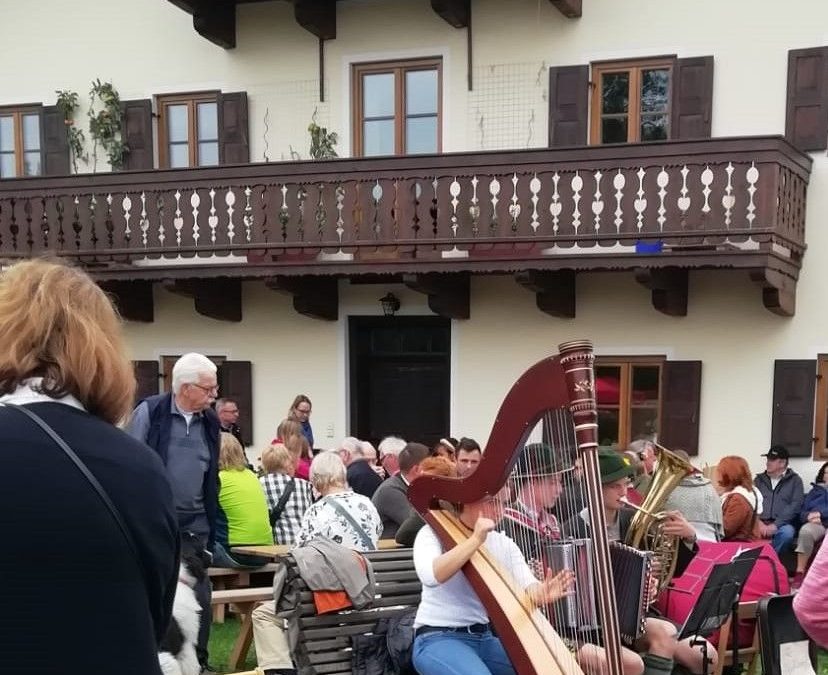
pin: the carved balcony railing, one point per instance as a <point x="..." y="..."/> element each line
<point x="737" y="202"/>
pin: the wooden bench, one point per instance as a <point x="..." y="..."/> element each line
<point x="244" y="600"/>
<point x="224" y="578"/>
<point x="324" y="643"/>
<point x="747" y="655"/>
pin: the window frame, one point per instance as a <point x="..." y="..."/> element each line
<point x="626" y="364"/>
<point x="634" y="67"/>
<point x="819" y="449"/>
<point x="191" y="100"/>
<point x="398" y="68"/>
<point x="17" y="112"/>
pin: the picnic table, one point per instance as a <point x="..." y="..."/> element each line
<point x="277" y="550"/>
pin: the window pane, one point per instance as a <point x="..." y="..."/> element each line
<point x="655" y="85"/>
<point x="615" y="93"/>
<point x="643" y="422"/>
<point x="608" y="385"/>
<point x="421" y="135"/>
<point x="646" y="381"/>
<point x="614" y="130"/>
<point x="207" y="121"/>
<point x="31" y="133"/>
<point x="31" y="163"/>
<point x="179" y="155"/>
<point x="177" y="123"/>
<point x="421" y="92"/>
<point x="654" y="127"/>
<point x="208" y="154"/>
<point x="607" y="426"/>
<point x="378" y="137"/>
<point x="6" y="133"/>
<point x="7" y="168"/>
<point x="378" y="95"/>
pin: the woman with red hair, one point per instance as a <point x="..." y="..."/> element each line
<point x="740" y="502"/>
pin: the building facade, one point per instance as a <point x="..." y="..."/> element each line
<point x="644" y="174"/>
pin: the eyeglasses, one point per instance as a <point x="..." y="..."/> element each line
<point x="303" y="411"/>
<point x="208" y="390"/>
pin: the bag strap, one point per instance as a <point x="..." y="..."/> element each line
<point x="276" y="513"/>
<point x="78" y="462"/>
<point x="363" y="535"/>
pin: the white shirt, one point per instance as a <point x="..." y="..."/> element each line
<point x="454" y="602"/>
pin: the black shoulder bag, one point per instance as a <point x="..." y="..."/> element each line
<point x="276" y="513"/>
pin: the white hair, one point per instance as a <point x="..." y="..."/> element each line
<point x="189" y="368"/>
<point x="391" y="445"/>
<point x="353" y="445"/>
<point x="327" y="470"/>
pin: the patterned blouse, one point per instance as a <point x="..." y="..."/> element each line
<point x="287" y="526"/>
<point x="324" y="520"/>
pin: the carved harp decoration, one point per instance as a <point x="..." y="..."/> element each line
<point x="564" y="381"/>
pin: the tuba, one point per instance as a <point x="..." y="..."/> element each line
<point x="646" y="528"/>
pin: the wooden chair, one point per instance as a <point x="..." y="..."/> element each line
<point x="746" y="655"/>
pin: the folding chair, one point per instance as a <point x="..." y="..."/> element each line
<point x="778" y="625"/>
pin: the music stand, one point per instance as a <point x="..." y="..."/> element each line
<point x="719" y="600"/>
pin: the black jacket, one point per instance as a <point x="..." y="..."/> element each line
<point x="782" y="505"/>
<point x="73" y="598"/>
<point x="362" y="478"/>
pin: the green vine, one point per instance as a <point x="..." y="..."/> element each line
<point x="322" y="142"/>
<point x="67" y="104"/>
<point x="105" y="124"/>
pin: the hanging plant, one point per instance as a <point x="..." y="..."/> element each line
<point x="322" y="142"/>
<point x="67" y="104"/>
<point x="105" y="120"/>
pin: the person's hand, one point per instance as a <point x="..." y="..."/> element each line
<point x="482" y="528"/>
<point x="378" y="470"/>
<point x="676" y="525"/>
<point x="767" y="530"/>
<point x="814" y="517"/>
<point x="554" y="586"/>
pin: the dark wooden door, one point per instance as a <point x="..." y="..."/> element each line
<point x="400" y="378"/>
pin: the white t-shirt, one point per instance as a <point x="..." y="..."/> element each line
<point x="454" y="602"/>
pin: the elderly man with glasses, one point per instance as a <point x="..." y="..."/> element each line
<point x="184" y="430"/>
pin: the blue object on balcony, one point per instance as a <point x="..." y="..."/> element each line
<point x="649" y="246"/>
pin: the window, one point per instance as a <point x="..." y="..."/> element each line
<point x="188" y="130"/>
<point x="397" y="108"/>
<point x="628" y="394"/>
<point x="821" y="412"/>
<point x="19" y="142"/>
<point x="631" y="101"/>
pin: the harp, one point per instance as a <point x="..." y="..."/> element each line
<point x="565" y="381"/>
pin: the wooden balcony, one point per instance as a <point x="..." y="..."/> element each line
<point x="660" y="209"/>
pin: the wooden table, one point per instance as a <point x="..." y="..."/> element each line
<point x="276" y="550"/>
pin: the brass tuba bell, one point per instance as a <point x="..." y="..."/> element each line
<point x="646" y="528"/>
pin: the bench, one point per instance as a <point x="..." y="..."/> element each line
<point x="224" y="578"/>
<point x="324" y="644"/>
<point x="244" y="600"/>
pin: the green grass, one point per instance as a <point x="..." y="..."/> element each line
<point x="222" y="637"/>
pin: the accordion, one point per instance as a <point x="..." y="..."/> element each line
<point x="578" y="612"/>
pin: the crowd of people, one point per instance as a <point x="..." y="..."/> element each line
<point x="178" y="466"/>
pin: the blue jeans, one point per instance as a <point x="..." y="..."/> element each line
<point x="783" y="538"/>
<point x="449" y="653"/>
<point x="223" y="558"/>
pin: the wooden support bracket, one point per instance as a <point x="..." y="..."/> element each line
<point x="778" y="290"/>
<point x="448" y="294"/>
<point x="554" y="290"/>
<point x="669" y="288"/>
<point x="316" y="297"/>
<point x="216" y="21"/>
<point x="571" y="9"/>
<point x="456" y="13"/>
<point x="133" y="298"/>
<point x="219" y="299"/>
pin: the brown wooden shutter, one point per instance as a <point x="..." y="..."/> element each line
<point x="146" y="376"/>
<point x="137" y="126"/>
<point x="680" y="403"/>
<point x="568" y="105"/>
<point x="806" y="118"/>
<point x="54" y="143"/>
<point x="794" y="388"/>
<point x="234" y="146"/>
<point x="692" y="98"/>
<point x="235" y="381"/>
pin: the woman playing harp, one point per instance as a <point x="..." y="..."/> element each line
<point x="564" y="382"/>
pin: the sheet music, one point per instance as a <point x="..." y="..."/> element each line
<point x="794" y="658"/>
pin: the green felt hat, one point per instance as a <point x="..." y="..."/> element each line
<point x="613" y="465"/>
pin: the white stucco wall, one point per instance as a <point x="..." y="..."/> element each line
<point x="150" y="48"/>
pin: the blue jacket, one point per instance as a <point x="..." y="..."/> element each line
<point x="816" y="500"/>
<point x="159" y="440"/>
<point x="780" y="506"/>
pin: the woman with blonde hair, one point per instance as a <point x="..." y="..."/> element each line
<point x="288" y="497"/>
<point x="96" y="502"/>
<point x="300" y="410"/>
<point x="289" y="433"/>
<point x="242" y="517"/>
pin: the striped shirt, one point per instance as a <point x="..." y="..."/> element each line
<point x="287" y="526"/>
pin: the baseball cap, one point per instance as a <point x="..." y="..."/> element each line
<point x="777" y="452"/>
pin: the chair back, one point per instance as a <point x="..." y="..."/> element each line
<point x="778" y="626"/>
